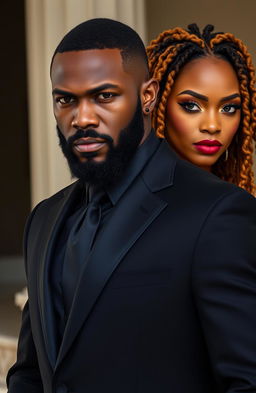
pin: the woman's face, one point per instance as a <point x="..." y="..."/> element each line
<point x="203" y="110"/>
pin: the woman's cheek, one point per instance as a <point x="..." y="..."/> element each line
<point x="231" y="129"/>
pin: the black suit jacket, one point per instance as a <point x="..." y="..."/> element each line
<point x="167" y="299"/>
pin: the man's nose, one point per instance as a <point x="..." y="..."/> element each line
<point x="211" y="123"/>
<point x="84" y="115"/>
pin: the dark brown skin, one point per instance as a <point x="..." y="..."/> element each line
<point x="191" y="119"/>
<point x="93" y="89"/>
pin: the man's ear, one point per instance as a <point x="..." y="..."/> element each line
<point x="149" y="92"/>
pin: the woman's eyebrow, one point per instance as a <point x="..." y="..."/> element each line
<point x="204" y="98"/>
<point x="194" y="94"/>
<point x="231" y="97"/>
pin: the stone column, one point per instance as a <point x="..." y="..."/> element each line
<point x="47" y="21"/>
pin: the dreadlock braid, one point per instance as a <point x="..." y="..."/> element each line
<point x="174" y="48"/>
<point x="234" y="173"/>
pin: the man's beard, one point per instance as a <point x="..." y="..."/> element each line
<point x="117" y="158"/>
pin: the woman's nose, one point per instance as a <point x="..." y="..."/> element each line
<point x="211" y="123"/>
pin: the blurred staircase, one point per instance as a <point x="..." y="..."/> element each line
<point x="8" y="347"/>
<point x="12" y="281"/>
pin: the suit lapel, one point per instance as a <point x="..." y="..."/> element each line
<point x="48" y="239"/>
<point x="133" y="214"/>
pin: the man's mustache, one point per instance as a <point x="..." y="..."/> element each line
<point x="89" y="133"/>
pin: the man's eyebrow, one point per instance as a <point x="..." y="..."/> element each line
<point x="104" y="86"/>
<point x="194" y="94"/>
<point x="231" y="97"/>
<point x="94" y="90"/>
<point x="61" y="92"/>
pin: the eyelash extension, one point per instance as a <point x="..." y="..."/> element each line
<point x="235" y="106"/>
<point x="184" y="105"/>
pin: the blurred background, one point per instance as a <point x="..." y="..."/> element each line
<point x="31" y="163"/>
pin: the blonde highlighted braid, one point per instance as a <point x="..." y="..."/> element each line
<point x="174" y="48"/>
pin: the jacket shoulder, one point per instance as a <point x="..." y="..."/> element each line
<point x="56" y="198"/>
<point x="204" y="183"/>
<point x="47" y="206"/>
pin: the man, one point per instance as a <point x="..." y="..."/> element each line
<point x="141" y="275"/>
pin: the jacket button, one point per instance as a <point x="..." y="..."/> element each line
<point x="62" y="389"/>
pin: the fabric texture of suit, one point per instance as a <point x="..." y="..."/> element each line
<point x="166" y="302"/>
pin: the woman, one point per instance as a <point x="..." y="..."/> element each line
<point x="207" y="100"/>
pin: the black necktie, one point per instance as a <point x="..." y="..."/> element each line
<point x="79" y="244"/>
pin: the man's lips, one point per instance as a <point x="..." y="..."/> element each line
<point x="85" y="145"/>
<point x="208" y="146"/>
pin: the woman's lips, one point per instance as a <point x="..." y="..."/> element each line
<point x="85" y="145"/>
<point x="208" y="146"/>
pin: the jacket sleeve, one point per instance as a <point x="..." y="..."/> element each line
<point x="24" y="375"/>
<point x="224" y="287"/>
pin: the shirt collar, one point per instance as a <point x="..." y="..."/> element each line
<point x="141" y="157"/>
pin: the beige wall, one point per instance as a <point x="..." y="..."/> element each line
<point x="234" y="16"/>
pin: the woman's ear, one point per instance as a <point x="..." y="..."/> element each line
<point x="149" y="92"/>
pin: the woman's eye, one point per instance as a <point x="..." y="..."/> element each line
<point x="190" y="106"/>
<point x="65" y="100"/>
<point x="230" y="108"/>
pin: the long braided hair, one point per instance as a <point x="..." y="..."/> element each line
<point x="174" y="48"/>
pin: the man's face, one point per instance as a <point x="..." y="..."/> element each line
<point x="96" y="105"/>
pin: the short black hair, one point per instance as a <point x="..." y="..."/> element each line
<point x="104" y="33"/>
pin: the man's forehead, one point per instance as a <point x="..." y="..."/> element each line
<point x="93" y="63"/>
<point x="90" y="60"/>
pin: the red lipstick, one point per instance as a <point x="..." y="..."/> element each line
<point x="208" y="146"/>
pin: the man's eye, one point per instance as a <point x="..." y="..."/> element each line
<point x="65" y="100"/>
<point x="190" y="106"/>
<point x="106" y="96"/>
<point x="230" y="108"/>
